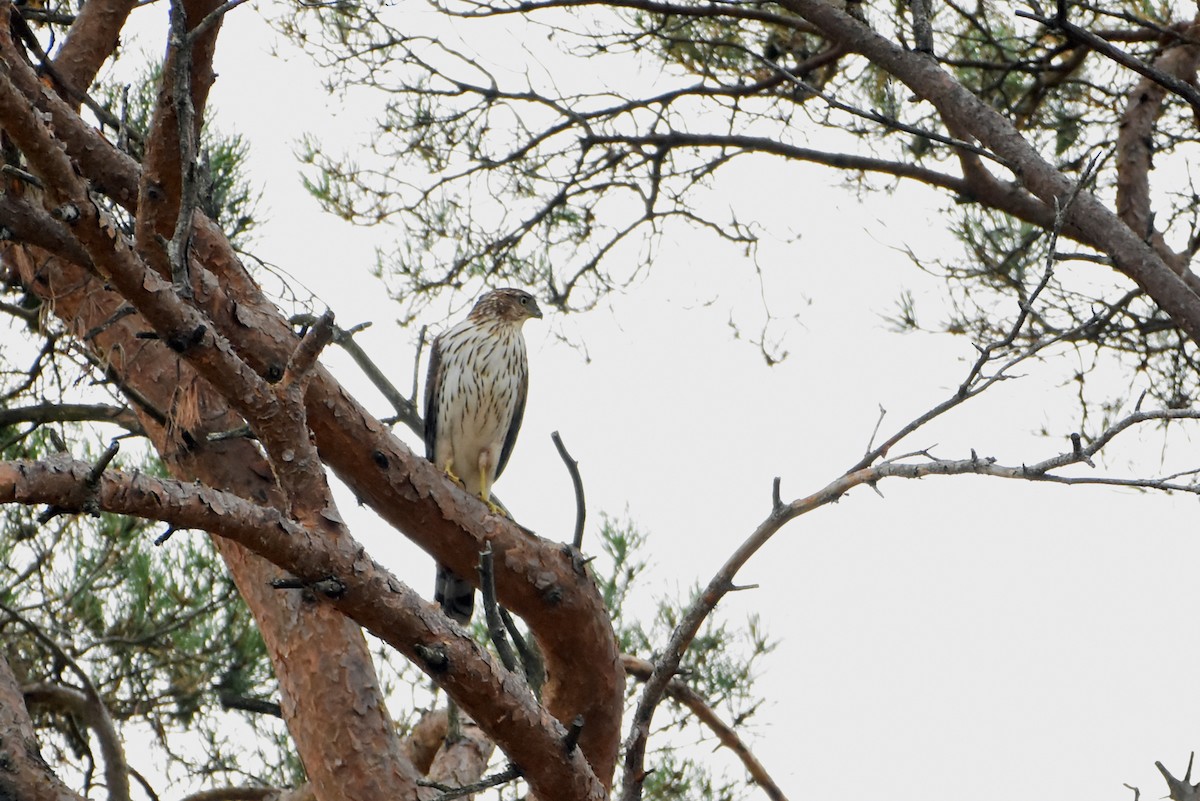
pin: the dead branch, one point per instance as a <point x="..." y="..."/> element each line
<point x="685" y="696"/>
<point x="577" y="483"/>
<point x="1181" y="789"/>
<point x="405" y="409"/>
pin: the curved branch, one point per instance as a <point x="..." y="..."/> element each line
<point x="355" y="585"/>
<point x="961" y="109"/>
<point x="686" y="696"/>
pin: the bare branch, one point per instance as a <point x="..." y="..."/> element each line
<point x="496" y="631"/>
<point x="680" y="692"/>
<point x="405" y="409"/>
<point x="1085" y="37"/>
<point x="44" y="413"/>
<point x="577" y="483"/>
<point x="185" y="119"/>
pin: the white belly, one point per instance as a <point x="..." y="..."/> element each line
<point x="482" y="378"/>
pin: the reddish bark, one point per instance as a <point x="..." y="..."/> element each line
<point x="92" y="38"/>
<point x="544" y="584"/>
<point x="362" y="590"/>
<point x="321" y="660"/>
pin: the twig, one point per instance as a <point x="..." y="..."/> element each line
<point x="211" y="19"/>
<point x="511" y="773"/>
<point x="22" y="175"/>
<point x="88" y="504"/>
<point x="185" y="112"/>
<point x="1181" y="789"/>
<point x="487" y="589"/>
<point x="685" y="696"/>
<point x="417" y="360"/>
<point x="1090" y="40"/>
<point x="123" y="311"/>
<point x="875" y="431"/>
<point x="577" y="482"/>
<point x="256" y="705"/>
<point x="573" y="733"/>
<point x="532" y="664"/>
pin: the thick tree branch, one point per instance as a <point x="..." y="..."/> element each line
<point x="166" y="194"/>
<point x="573" y="629"/>
<point x="962" y="110"/>
<point x="369" y="595"/>
<point x="92" y="38"/>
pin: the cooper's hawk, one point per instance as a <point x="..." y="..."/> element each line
<point x="474" y="401"/>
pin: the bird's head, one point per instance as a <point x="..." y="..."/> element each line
<point x="510" y="305"/>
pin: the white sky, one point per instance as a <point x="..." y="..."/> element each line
<point x="959" y="636"/>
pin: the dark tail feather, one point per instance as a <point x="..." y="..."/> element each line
<point x="456" y="596"/>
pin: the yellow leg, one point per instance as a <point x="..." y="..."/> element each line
<point x="485" y="494"/>
<point x="449" y="470"/>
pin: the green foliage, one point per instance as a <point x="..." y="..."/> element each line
<point x="160" y="632"/>
<point x="569" y="182"/>
<point x="226" y="194"/>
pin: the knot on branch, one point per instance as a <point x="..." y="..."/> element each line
<point x="331" y="587"/>
<point x="434" y="657"/>
<point x="183" y="340"/>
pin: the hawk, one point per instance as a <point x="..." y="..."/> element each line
<point x="474" y="402"/>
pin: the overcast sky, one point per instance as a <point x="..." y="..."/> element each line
<point x="957" y="636"/>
